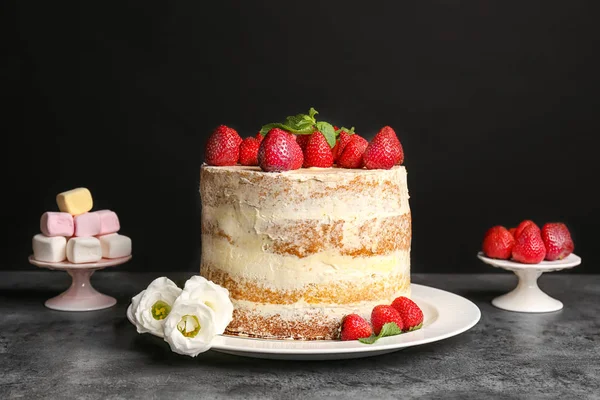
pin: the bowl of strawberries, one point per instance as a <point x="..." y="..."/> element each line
<point x="529" y="251"/>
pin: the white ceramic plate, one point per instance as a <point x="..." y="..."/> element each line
<point x="446" y="314"/>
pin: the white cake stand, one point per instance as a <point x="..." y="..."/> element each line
<point x="527" y="296"/>
<point x="81" y="296"/>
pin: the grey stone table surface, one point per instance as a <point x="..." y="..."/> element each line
<point x="99" y="355"/>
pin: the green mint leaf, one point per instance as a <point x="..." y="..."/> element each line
<point x="311" y="113"/>
<point x="327" y="130"/>
<point x="389" y="329"/>
<point x="299" y="130"/>
<point x="299" y="121"/>
<point x="349" y="131"/>
<point x="369" y="340"/>
<point x="414" y="328"/>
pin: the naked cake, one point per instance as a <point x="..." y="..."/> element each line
<point x="300" y="249"/>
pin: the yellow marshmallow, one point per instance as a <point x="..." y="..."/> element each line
<point x="75" y="201"/>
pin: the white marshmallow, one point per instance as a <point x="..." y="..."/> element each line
<point x="84" y="250"/>
<point x="49" y="249"/>
<point x="115" y="245"/>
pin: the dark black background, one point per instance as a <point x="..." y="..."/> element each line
<point x="495" y="103"/>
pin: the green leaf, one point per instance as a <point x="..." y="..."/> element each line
<point x="301" y="130"/>
<point x="299" y="122"/>
<point x="389" y="329"/>
<point x="414" y="328"/>
<point x="349" y="131"/>
<point x="369" y="340"/>
<point x="327" y="130"/>
<point x="311" y="113"/>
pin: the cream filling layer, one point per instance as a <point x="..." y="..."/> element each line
<point x="305" y="311"/>
<point x="285" y="272"/>
<point x="246" y="225"/>
<point x="349" y="208"/>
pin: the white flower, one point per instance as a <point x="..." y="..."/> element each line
<point x="190" y="328"/>
<point x="198" y="289"/>
<point x="151" y="306"/>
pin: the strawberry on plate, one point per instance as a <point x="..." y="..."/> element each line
<point x="524" y="224"/>
<point x="410" y="312"/>
<point x="529" y="247"/>
<point x="355" y="327"/>
<point x="557" y="240"/>
<point x="223" y="147"/>
<point x="382" y="314"/>
<point x="498" y="243"/>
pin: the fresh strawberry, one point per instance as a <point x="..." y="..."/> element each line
<point x="355" y="327"/>
<point x="259" y="137"/>
<point x="529" y="246"/>
<point x="302" y="140"/>
<point x="512" y="231"/>
<point x="297" y="156"/>
<point x="397" y="149"/>
<point x="279" y="152"/>
<point x="521" y="227"/>
<point x="223" y="146"/>
<point x="352" y="155"/>
<point x="558" y="241"/>
<point x="412" y="315"/>
<point x="382" y="314"/>
<point x="340" y="144"/>
<point x="380" y="154"/>
<point x="498" y="243"/>
<point x="249" y="151"/>
<point x="317" y="152"/>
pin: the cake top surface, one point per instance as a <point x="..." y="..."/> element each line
<point x="303" y="172"/>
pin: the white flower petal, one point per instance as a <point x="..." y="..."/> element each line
<point x="186" y="316"/>
<point x="216" y="297"/>
<point x="161" y="289"/>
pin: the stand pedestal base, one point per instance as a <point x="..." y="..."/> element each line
<point x="81" y="296"/>
<point x="527" y="296"/>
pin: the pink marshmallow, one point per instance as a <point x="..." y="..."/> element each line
<point x="57" y="224"/>
<point x="109" y="222"/>
<point x="87" y="224"/>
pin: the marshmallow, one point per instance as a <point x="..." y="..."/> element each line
<point x="115" y="245"/>
<point x="56" y="224"/>
<point x="86" y="224"/>
<point x="109" y="222"/>
<point x="84" y="250"/>
<point x="75" y="202"/>
<point x="49" y="249"/>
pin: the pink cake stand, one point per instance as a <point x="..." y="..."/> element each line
<point x="81" y="296"/>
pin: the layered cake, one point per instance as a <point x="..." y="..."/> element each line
<point x="300" y="249"/>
